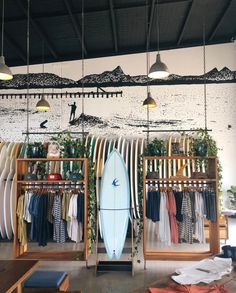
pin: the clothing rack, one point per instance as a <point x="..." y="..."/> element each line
<point x="22" y="165"/>
<point x="167" y="181"/>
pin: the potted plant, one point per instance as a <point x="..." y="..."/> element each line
<point x="204" y="144"/>
<point x="69" y="147"/>
<point x="41" y="171"/>
<point x="36" y="150"/>
<point x="155" y="148"/>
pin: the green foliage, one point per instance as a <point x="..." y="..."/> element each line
<point x="41" y="169"/>
<point x="70" y="147"/>
<point x="212" y="150"/>
<point x="92" y="208"/>
<point x="155" y="148"/>
<point x="139" y="221"/>
<point x="203" y="137"/>
<point x="36" y="150"/>
<point x="232" y="197"/>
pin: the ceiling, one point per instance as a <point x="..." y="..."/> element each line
<point x="112" y="27"/>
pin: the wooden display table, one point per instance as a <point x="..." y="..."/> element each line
<point x="14" y="272"/>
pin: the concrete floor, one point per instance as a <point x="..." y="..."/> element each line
<point x="82" y="278"/>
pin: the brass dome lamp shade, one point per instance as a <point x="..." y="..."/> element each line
<point x="158" y="70"/>
<point x="42" y="104"/>
<point x="149" y="102"/>
<point x="5" y="72"/>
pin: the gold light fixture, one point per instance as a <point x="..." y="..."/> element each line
<point x="42" y="104"/>
<point x="158" y="70"/>
<point x="5" y="72"/>
<point x="149" y="102"/>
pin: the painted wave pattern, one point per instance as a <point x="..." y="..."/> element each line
<point x="114" y="78"/>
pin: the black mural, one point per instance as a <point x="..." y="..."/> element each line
<point x="114" y="78"/>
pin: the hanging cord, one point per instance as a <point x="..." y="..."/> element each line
<point x="61" y="101"/>
<point x="158" y="30"/>
<point x="147" y="67"/>
<point x="28" y="48"/>
<point x="204" y="69"/>
<point x="3" y="15"/>
<point x="82" y="45"/>
<point x="43" y="61"/>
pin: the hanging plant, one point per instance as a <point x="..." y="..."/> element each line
<point x="92" y="200"/>
<point x="205" y="141"/>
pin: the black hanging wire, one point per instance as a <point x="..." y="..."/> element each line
<point x="204" y="67"/>
<point x="147" y="67"/>
<point x="43" y="63"/>
<point x="28" y="79"/>
<point x="158" y="30"/>
<point x="82" y="55"/>
<point x="3" y="15"/>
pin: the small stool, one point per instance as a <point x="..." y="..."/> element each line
<point x="47" y="280"/>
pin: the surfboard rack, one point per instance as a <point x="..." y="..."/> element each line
<point x="103" y="266"/>
<point x="114" y="266"/>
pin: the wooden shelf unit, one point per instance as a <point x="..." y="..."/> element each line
<point x="213" y="234"/>
<point x="21" y="251"/>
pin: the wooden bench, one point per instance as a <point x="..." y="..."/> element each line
<point x="47" y="281"/>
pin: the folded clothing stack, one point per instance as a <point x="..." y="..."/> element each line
<point x="205" y="271"/>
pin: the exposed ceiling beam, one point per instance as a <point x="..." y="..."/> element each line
<point x="186" y="20"/>
<point x="75" y="25"/>
<point x="219" y="21"/>
<point x="113" y="25"/>
<point x="15" y="46"/>
<point x="150" y="23"/>
<point x="118" y="7"/>
<point x="38" y="30"/>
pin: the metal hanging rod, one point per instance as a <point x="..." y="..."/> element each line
<point x="176" y="130"/>
<point x="102" y="94"/>
<point x="58" y="132"/>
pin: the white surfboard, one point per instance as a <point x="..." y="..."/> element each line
<point x="114" y="204"/>
<point x="7" y="191"/>
<point x="131" y="176"/>
<point x="3" y="178"/>
<point x="136" y="176"/>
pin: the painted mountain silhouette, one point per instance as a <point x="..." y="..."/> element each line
<point x="37" y="80"/>
<point x="112" y="78"/>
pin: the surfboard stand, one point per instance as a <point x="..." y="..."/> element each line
<point x="114" y="265"/>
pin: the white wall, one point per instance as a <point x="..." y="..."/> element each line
<point x="183" y="103"/>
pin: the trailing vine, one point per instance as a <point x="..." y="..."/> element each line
<point x="92" y="208"/>
<point x="139" y="221"/>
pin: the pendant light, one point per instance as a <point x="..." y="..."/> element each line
<point x="158" y="70"/>
<point x="5" y="72"/>
<point x="149" y="102"/>
<point x="42" y="104"/>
